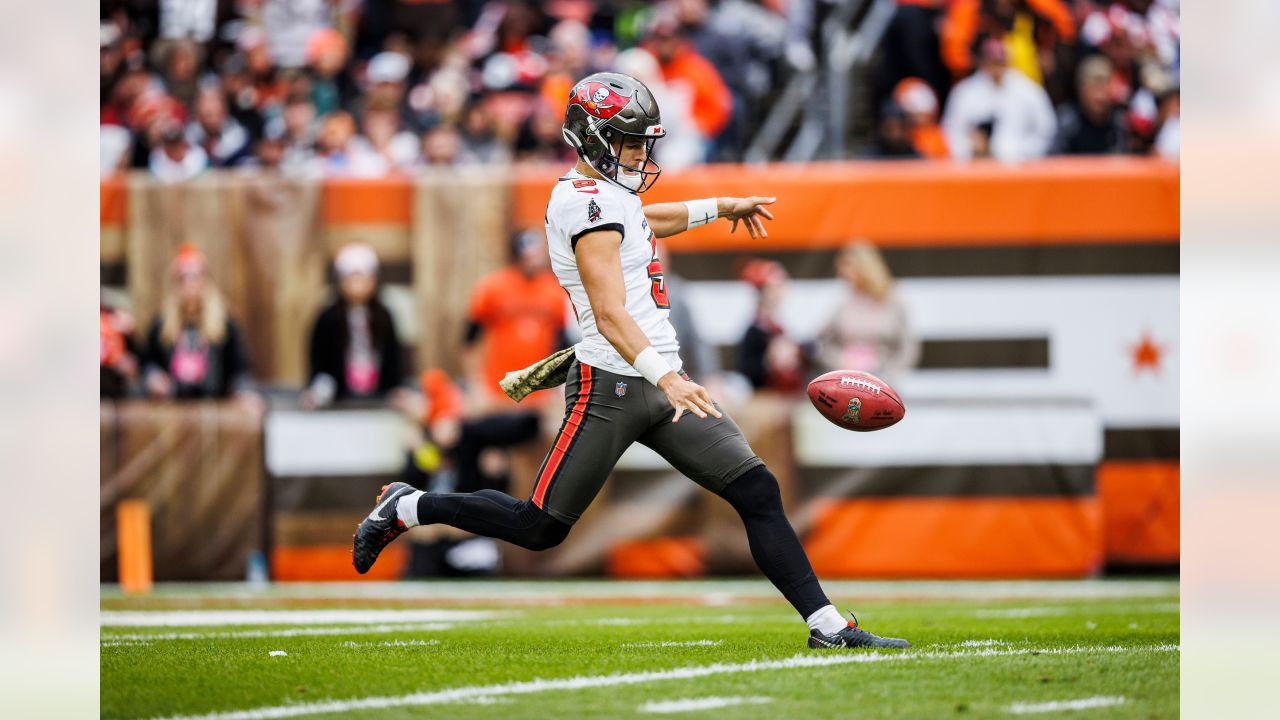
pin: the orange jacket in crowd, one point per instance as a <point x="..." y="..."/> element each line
<point x="963" y="22"/>
<point x="712" y="103"/>
<point x="521" y="319"/>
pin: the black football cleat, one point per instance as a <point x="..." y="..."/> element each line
<point x="853" y="637"/>
<point x="379" y="528"/>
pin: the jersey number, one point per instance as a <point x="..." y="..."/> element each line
<point x="659" y="290"/>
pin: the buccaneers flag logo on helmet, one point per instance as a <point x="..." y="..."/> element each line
<point x="598" y="100"/>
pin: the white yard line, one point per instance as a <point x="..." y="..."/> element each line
<point x="122" y="638"/>
<point x="1061" y="705"/>
<point x="209" y="618"/>
<point x="706" y="703"/>
<point x="982" y="643"/>
<point x="673" y="643"/>
<point x="591" y="682"/>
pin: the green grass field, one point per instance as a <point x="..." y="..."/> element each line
<point x="548" y="650"/>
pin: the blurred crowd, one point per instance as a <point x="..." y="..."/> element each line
<point x="1021" y="79"/>
<point x="367" y="88"/>
<point x="373" y="87"/>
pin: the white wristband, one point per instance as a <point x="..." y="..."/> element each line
<point x="651" y="365"/>
<point x="702" y="211"/>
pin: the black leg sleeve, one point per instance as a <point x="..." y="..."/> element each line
<point x="496" y="515"/>
<point x="774" y="544"/>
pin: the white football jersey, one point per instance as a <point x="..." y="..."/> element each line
<point x="580" y="205"/>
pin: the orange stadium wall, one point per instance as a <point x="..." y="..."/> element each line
<point x="437" y="233"/>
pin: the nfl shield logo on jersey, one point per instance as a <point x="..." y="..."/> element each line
<point x="620" y="389"/>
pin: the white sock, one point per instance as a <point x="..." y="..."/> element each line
<point x="407" y="508"/>
<point x="827" y="620"/>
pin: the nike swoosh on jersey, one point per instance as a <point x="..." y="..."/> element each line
<point x="593" y="191"/>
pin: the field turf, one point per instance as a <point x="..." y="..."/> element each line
<point x="549" y="650"/>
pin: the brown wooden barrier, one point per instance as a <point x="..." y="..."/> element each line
<point x="198" y="466"/>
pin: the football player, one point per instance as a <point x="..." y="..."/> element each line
<point x="625" y="383"/>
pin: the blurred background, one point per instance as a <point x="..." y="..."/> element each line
<point x="321" y="246"/>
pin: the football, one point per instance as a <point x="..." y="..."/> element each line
<point x="856" y="400"/>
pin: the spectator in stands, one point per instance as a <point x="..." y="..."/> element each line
<point x="289" y="24"/>
<point x="541" y="139"/>
<point x="176" y="159"/>
<point x="997" y="111"/>
<point x="767" y="357"/>
<point x="685" y="71"/>
<point x="113" y="149"/>
<point x="240" y="94"/>
<point x="331" y="85"/>
<point x="1168" y="141"/>
<point x="354" y="351"/>
<point x="1032" y="31"/>
<point x="180" y="64"/>
<point x="267" y="86"/>
<point x="442" y="147"/>
<point x="911" y="49"/>
<point x="117" y="352"/>
<point x="384" y="142"/>
<point x="868" y="330"/>
<point x="909" y="123"/>
<point x="268" y="152"/>
<point x="194" y="349"/>
<point x="385" y="87"/>
<point x="333" y="146"/>
<point x="684" y="144"/>
<point x="479" y="135"/>
<point x="298" y="130"/>
<point x="111" y="59"/>
<point x="1093" y="124"/>
<point x="892" y="140"/>
<point x="920" y="106"/>
<point x="224" y="141"/>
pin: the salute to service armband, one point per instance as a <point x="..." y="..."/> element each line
<point x="701" y="212"/>
<point x="651" y="365"/>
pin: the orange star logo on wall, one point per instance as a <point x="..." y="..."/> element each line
<point x="1146" y="355"/>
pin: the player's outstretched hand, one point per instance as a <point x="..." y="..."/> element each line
<point x="686" y="396"/>
<point x="749" y="210"/>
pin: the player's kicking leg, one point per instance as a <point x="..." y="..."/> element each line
<point x="713" y="453"/>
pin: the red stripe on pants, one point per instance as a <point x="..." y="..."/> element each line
<point x="567" y="433"/>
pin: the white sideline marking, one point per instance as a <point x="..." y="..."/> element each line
<point x="707" y="703"/>
<point x="591" y="682"/>
<point x="674" y="643"/>
<point x="1060" y="705"/>
<point x="146" y="638"/>
<point x="187" y="618"/>
<point x="983" y="643"/>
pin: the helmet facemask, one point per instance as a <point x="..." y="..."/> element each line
<point x="611" y="167"/>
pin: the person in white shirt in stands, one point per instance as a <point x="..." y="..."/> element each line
<point x="998" y="112"/>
